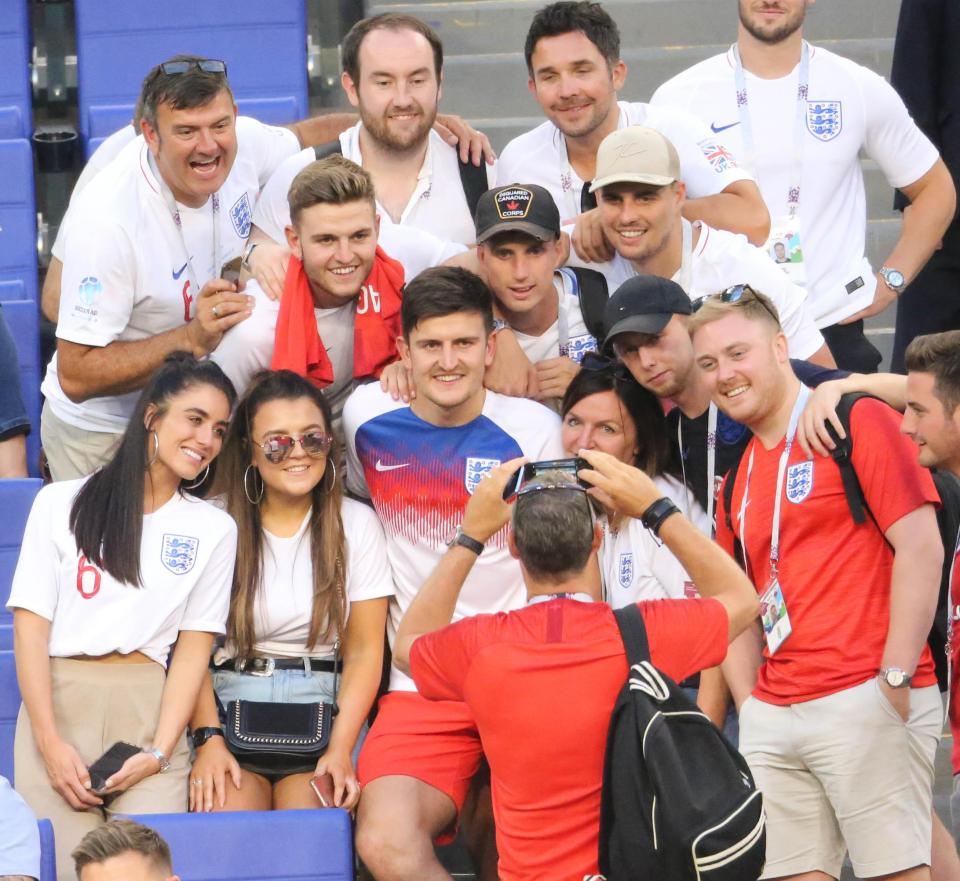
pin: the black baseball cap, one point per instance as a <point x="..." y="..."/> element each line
<point x="521" y="207"/>
<point x="643" y="304"/>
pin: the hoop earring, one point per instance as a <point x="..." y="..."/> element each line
<point x="333" y="482"/>
<point x="246" y="490"/>
<point x="156" y="448"/>
<point x="199" y="480"/>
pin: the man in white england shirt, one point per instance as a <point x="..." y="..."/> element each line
<point x="575" y="70"/>
<point x="798" y="116"/>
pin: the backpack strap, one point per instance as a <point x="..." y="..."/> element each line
<point x="842" y="454"/>
<point x="633" y="632"/>
<point x="593" y="292"/>
<point x="473" y="179"/>
<point x="331" y="148"/>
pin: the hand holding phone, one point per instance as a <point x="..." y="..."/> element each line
<point x="529" y="471"/>
<point x="109" y="763"/>
<point x="322" y="785"/>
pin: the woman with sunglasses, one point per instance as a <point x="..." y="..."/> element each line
<point x="309" y="600"/>
<point x="114" y="569"/>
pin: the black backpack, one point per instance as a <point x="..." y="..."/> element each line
<point x="679" y="802"/>
<point x="591" y="288"/>
<point x="948" y="521"/>
<point x="473" y="178"/>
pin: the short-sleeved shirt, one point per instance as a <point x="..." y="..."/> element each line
<point x="541" y="683"/>
<point x="248" y="346"/>
<point x="848" y="109"/>
<point x="437" y="204"/>
<point x="187" y="553"/>
<point x="419" y="478"/>
<point x="835" y="575"/>
<point x="126" y="276"/>
<point x="552" y="343"/>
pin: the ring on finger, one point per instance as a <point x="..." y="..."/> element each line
<point x="197" y="782"/>
<point x="216" y="314"/>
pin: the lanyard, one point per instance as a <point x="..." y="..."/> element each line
<point x="579" y="596"/>
<point x="563" y="319"/>
<point x="175" y="214"/>
<point x="711" y="461"/>
<point x="746" y="125"/>
<point x="802" y="396"/>
<point x="683" y="276"/>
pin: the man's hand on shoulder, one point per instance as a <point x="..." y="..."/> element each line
<point x="474" y="146"/>
<point x="397" y="382"/>
<point x="554" y="375"/>
<point x="268" y="265"/>
<point x="589" y="240"/>
<point x="219" y="307"/>
<point x="511" y="372"/>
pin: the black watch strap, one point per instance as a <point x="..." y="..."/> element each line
<point x="471" y="544"/>
<point x="654" y="516"/>
<point x="201" y="735"/>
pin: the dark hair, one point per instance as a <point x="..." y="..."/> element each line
<point x="939" y="354"/>
<point x="445" y="290"/>
<point x="182" y="91"/>
<point x="326" y="526"/>
<point x="106" y="517"/>
<point x="119" y="837"/>
<point x="334" y="180"/>
<point x="567" y="16"/>
<point x="553" y="528"/>
<point x="656" y="454"/>
<point x="390" y="21"/>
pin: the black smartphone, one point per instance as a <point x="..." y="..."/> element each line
<point x="109" y="763"/>
<point x="529" y="470"/>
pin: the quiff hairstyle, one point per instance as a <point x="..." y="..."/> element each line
<point x="331" y="181"/>
<point x="756" y="307"/>
<point x="118" y="837"/>
<point x="939" y="355"/>
<point x="388" y="21"/>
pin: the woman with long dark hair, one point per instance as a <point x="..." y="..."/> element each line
<point x="308" y="605"/>
<point x="114" y="569"/>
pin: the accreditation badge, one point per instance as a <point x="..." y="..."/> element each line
<point x="773" y="615"/>
<point x="785" y="249"/>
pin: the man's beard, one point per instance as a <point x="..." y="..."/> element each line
<point x="378" y="127"/>
<point x="777" y="34"/>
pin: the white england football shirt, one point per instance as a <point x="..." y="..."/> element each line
<point x="437" y="204"/>
<point x="419" y="477"/>
<point x="848" y="109"/>
<point x="187" y="554"/>
<point x="125" y="272"/>
<point x="568" y="335"/>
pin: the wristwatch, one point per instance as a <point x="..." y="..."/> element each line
<point x="247" y="253"/>
<point x="160" y="757"/>
<point x="654" y="516"/>
<point x="463" y="540"/>
<point x="200" y="736"/>
<point x="896" y="677"/>
<point x="894" y="279"/>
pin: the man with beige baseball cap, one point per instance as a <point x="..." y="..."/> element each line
<point x="640" y="196"/>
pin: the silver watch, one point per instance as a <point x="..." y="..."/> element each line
<point x="896" y="677"/>
<point x="160" y="757"/>
<point x="894" y="278"/>
<point x="247" y="254"/>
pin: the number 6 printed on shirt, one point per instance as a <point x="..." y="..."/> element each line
<point x="85" y="568"/>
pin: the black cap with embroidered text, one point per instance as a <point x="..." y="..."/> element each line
<point x="643" y="304"/>
<point x="520" y="207"/>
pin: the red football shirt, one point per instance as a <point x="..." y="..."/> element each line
<point x="834" y="574"/>
<point x="541" y="683"/>
<point x="954" y="658"/>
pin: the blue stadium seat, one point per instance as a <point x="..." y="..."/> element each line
<point x="48" y="854"/>
<point x="16" y="499"/>
<point x="23" y="319"/>
<point x="18" y="215"/>
<point x="259" y="845"/>
<point x="118" y="41"/>
<point x="15" y="117"/>
<point x="6" y="636"/>
<point x="9" y="707"/>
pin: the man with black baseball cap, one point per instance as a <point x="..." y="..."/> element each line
<point x="518" y="239"/>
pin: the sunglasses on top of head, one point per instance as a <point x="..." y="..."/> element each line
<point x="278" y="448"/>
<point x="207" y="65"/>
<point x="602" y="363"/>
<point x="738" y="293"/>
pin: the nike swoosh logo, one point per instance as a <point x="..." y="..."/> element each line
<point x="176" y="275"/>
<point x="716" y="129"/>
<point x="381" y="467"/>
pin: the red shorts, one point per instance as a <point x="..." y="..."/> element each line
<point x="435" y="741"/>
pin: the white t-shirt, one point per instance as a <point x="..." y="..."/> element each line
<point x="437" y="204"/>
<point x="635" y="566"/>
<point x="284" y="603"/>
<point x="721" y="259"/>
<point x="125" y="270"/>
<point x="419" y="477"/>
<point x="865" y="113"/>
<point x="568" y="335"/>
<point x="187" y="554"/>
<point x="248" y="347"/>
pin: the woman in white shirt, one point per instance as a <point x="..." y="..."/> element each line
<point x="309" y="600"/>
<point x="114" y="569"/>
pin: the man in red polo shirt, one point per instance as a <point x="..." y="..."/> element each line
<point x="541" y="681"/>
<point x="842" y="725"/>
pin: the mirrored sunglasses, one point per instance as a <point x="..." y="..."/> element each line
<point x="738" y="293"/>
<point x="207" y="65"/>
<point x="279" y="447"/>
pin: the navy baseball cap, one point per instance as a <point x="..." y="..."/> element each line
<point x="519" y="207"/>
<point x="643" y="304"/>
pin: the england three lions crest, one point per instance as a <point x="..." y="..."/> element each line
<point x="241" y="216"/>
<point x="799" y="481"/>
<point x="476" y="470"/>
<point x="824" y="119"/>
<point x="625" y="569"/>
<point x="179" y="553"/>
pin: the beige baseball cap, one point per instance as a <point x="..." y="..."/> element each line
<point x="636" y="155"/>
